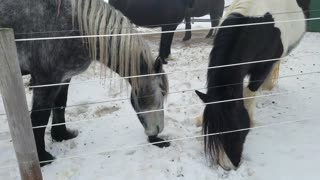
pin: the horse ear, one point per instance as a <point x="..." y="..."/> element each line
<point x="158" y="65"/>
<point x="202" y="96"/>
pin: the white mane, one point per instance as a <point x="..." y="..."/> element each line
<point x="123" y="53"/>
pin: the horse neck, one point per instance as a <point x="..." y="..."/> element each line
<point x="143" y="69"/>
<point x="126" y="55"/>
<point x="224" y="82"/>
<point x="225" y="85"/>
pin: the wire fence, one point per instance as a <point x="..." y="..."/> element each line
<point x="153" y="33"/>
<point x="167" y="24"/>
<point x="88" y="155"/>
<point x="186" y="106"/>
<point x="170" y="93"/>
<point x="180" y="107"/>
<point x="167" y="73"/>
<point x="181" y="91"/>
<point x="147" y="75"/>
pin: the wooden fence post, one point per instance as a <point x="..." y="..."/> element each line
<point x="14" y="99"/>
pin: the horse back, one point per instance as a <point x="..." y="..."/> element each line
<point x="291" y="32"/>
<point x="243" y="44"/>
<point x="152" y="12"/>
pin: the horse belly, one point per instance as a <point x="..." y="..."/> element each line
<point x="77" y="69"/>
<point x="75" y="65"/>
<point x="155" y="12"/>
<point x="200" y="8"/>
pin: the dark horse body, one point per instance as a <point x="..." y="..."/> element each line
<point x="166" y="14"/>
<point x="239" y="45"/>
<point x="198" y="8"/>
<point x="56" y="61"/>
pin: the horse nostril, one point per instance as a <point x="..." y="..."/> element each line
<point x="158" y="129"/>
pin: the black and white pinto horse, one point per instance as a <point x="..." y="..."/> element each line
<point x="239" y="45"/>
<point x="198" y="8"/>
<point x="57" y="61"/>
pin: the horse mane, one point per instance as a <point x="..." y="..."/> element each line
<point x="125" y="54"/>
<point x="223" y="42"/>
<point x="58" y="2"/>
<point x="226" y="116"/>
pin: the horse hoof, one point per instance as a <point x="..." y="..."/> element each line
<point x="169" y="58"/>
<point x="45" y="158"/>
<point x="64" y="135"/>
<point x="210" y="37"/>
<point x="186" y="39"/>
<point x="199" y="121"/>
<point x="164" y="61"/>
<point x="158" y="142"/>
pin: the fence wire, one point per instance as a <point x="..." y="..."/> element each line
<point x="152" y="33"/>
<point x="88" y="155"/>
<point x="165" y="24"/>
<point x="179" y="107"/>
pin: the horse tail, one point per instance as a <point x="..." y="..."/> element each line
<point x="222" y="145"/>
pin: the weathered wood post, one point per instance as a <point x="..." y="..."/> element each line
<point x="15" y="103"/>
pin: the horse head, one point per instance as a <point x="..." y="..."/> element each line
<point x="148" y="100"/>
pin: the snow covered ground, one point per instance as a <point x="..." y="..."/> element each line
<point x="285" y="152"/>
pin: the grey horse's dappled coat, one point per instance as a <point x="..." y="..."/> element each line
<point x="58" y="60"/>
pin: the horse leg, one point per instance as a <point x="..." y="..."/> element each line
<point x="170" y="39"/>
<point x="199" y="121"/>
<point x="209" y="35"/>
<point x="215" y="14"/>
<point x="166" y="41"/>
<point x="272" y="78"/>
<point x="60" y="132"/>
<point x="187" y="35"/>
<point x="43" y="100"/>
<point x="249" y="103"/>
<point x="162" y="50"/>
<point x="259" y="75"/>
<point x="257" y="78"/>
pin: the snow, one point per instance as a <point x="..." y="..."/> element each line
<point x="288" y="151"/>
